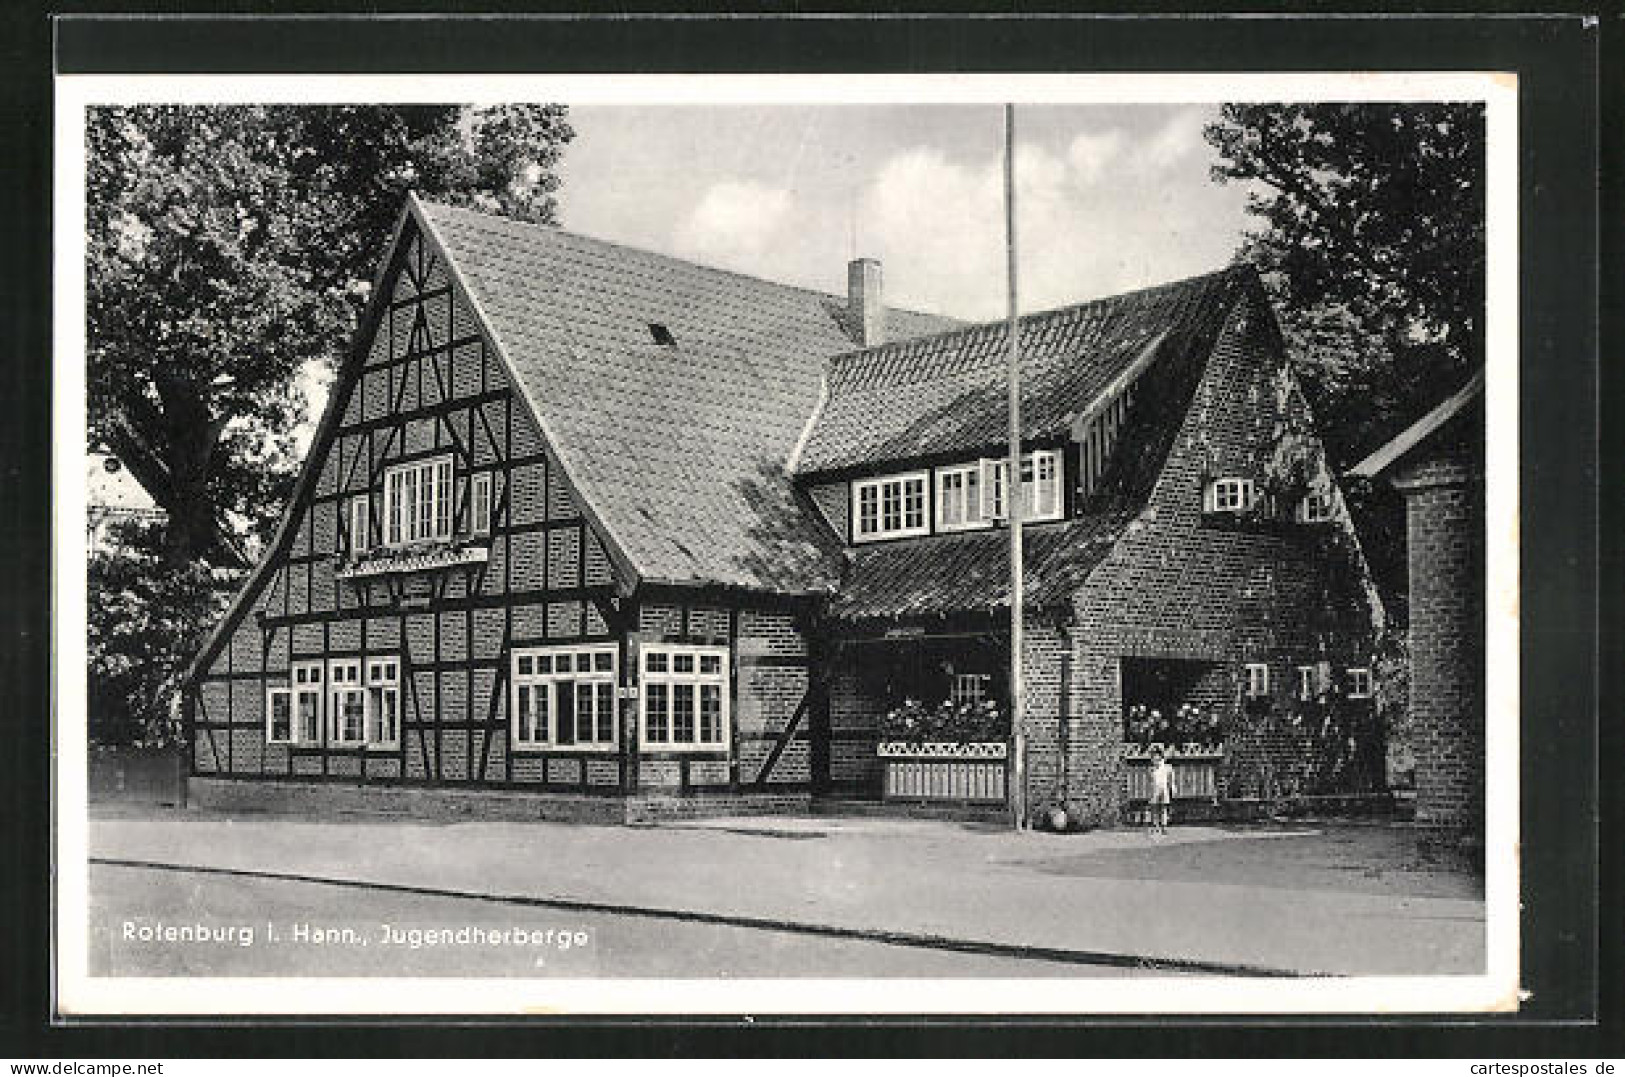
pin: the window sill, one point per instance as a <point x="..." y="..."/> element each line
<point x="719" y="750"/>
<point x="561" y="749"/>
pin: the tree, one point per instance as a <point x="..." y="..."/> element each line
<point x="228" y="247"/>
<point x="1372" y="246"/>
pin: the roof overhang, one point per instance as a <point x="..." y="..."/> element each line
<point x="1385" y="458"/>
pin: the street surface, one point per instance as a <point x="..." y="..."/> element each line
<point x="318" y="932"/>
<point x="783" y="896"/>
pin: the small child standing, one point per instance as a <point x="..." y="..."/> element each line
<point x="1162" y="791"/>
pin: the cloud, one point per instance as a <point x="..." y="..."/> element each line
<point x="734" y="223"/>
<point x="1103" y="213"/>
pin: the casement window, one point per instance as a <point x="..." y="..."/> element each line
<point x="307" y="702"/>
<point x="1230" y="494"/>
<point x="1307" y="683"/>
<point x="969" y="689"/>
<point x="1316" y="508"/>
<point x="293" y="711"/>
<point x="279" y="715"/>
<point x="360" y="524"/>
<point x="1359" y="683"/>
<point x="1256" y="680"/>
<point x="417" y="501"/>
<point x="959" y="498"/>
<point x="1040" y="486"/>
<point x="383" y="703"/>
<point x="346" y="703"/>
<point x="479" y="504"/>
<point x="684" y="698"/>
<point x="889" y="507"/>
<point x="564" y="697"/>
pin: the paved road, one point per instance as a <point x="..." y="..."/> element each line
<point x="1303" y="899"/>
<point x="262" y="927"/>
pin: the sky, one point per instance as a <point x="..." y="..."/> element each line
<point x="1109" y="197"/>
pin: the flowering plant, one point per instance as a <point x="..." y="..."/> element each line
<point x="915" y="721"/>
<point x="1189" y="724"/>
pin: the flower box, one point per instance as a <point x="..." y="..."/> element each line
<point x="432" y="559"/>
<point x="1196" y="769"/>
<point x="963" y="772"/>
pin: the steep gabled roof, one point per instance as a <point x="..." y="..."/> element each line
<point x="678" y="449"/>
<point x="947" y="393"/>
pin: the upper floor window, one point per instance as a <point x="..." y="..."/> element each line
<point x="684" y="697"/>
<point x="959" y="498"/>
<point x="1359" y="683"/>
<point x="1308" y="683"/>
<point x="889" y="507"/>
<point x="1040" y="486"/>
<point x="1230" y="494"/>
<point x="564" y="697"/>
<point x="360" y="524"/>
<point x="1256" y="678"/>
<point x="417" y="501"/>
<point x="1316" y="507"/>
<point x="479" y="504"/>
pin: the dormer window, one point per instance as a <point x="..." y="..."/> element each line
<point x="1230" y="494"/>
<point x="1040" y="486"/>
<point x="889" y="507"/>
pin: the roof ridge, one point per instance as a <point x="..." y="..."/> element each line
<point x="997" y="325"/>
<point x="550" y="229"/>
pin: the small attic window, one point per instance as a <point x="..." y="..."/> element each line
<point x="661" y="334"/>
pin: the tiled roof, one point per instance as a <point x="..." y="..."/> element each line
<point x="679" y="449"/>
<point x="969" y="572"/>
<point x="947" y="393"/>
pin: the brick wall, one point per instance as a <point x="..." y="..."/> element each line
<point x="1177" y="586"/>
<point x="1445" y="533"/>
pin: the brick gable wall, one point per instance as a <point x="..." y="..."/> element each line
<point x="1177" y="586"/>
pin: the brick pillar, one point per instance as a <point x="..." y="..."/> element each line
<point x="1444" y="504"/>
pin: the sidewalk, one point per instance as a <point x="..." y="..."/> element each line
<point x="1357" y="900"/>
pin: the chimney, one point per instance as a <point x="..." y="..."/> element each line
<point x="863" y="301"/>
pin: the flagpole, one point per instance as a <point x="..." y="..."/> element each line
<point x="1012" y="494"/>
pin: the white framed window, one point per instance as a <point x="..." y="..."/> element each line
<point x="307" y="702"/>
<point x="383" y="717"/>
<point x="347" y="703"/>
<point x="969" y="688"/>
<point x="479" y="504"/>
<point x="417" y="501"/>
<point x="279" y="715"/>
<point x="889" y="507"/>
<point x="360" y="523"/>
<point x="683" y="698"/>
<point x="1307" y="683"/>
<point x="564" y="697"/>
<point x="1040" y="486"/>
<point x="1256" y="678"/>
<point x="959" y="498"/>
<point x="1359" y="682"/>
<point x="1316" y="507"/>
<point x="1230" y="494"/>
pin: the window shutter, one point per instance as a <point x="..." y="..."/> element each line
<point x="992" y="489"/>
<point x="1210" y="496"/>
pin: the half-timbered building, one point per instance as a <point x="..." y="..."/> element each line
<point x="591" y="532"/>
